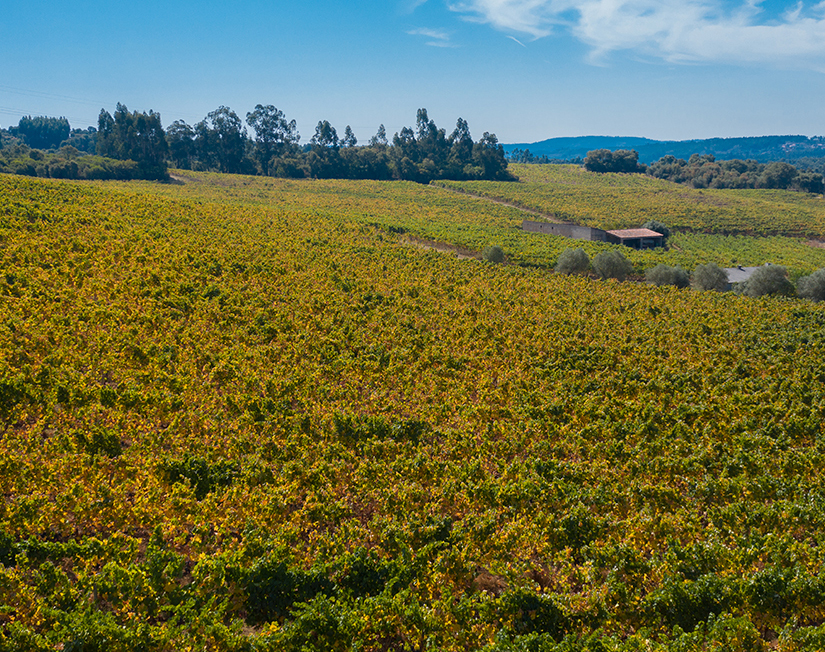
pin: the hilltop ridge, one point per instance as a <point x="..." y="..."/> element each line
<point x="760" y="148"/>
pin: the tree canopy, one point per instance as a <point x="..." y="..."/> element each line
<point x="704" y="171"/>
<point x="273" y="133"/>
<point x="220" y="142"/>
<point x="42" y="132"/>
<point x="133" y="136"/>
<point x="622" y="160"/>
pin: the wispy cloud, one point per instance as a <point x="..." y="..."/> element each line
<point x="409" y="6"/>
<point x="438" y="38"/>
<point x="513" y="38"/>
<point x="674" y="30"/>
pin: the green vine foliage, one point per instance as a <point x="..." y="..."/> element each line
<point x="244" y="414"/>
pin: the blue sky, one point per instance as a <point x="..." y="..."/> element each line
<point x="524" y="69"/>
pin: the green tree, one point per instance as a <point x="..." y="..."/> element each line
<point x="181" y="140"/>
<point x="622" y="160"/>
<point x="325" y="136"/>
<point x="813" y="286"/>
<point x="461" y="149"/>
<point x="709" y="277"/>
<point x="666" y="275"/>
<point x="493" y="254"/>
<point x="324" y="161"/>
<point x="573" y="261"/>
<point x="612" y="264"/>
<point x="83" y="140"/>
<point x="273" y="134"/>
<point x="380" y="137"/>
<point x="778" y="174"/>
<point x="488" y="154"/>
<point x="769" y="279"/>
<point x="349" y="139"/>
<point x="810" y="182"/>
<point x="42" y="132"/>
<point x="220" y="141"/>
<point x="134" y="136"/>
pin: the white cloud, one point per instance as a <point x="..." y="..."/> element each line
<point x="409" y="6"/>
<point x="675" y="30"/>
<point x="438" y="38"/>
<point x="532" y="17"/>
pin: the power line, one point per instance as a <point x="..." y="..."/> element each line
<point x="42" y="94"/>
<point x="21" y="113"/>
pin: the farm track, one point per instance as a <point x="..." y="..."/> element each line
<point x="501" y="202"/>
<point x="462" y="253"/>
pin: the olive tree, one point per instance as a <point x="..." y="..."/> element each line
<point x="493" y="254"/>
<point x="665" y="275"/>
<point x="812" y="287"/>
<point x="770" y="279"/>
<point x="612" y="264"/>
<point x="709" y="277"/>
<point x="573" y="261"/>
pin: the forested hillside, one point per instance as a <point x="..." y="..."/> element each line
<point x="760" y="148"/>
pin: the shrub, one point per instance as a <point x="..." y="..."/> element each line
<point x="770" y="279"/>
<point x="666" y="275"/>
<point x="612" y="264"/>
<point x="493" y="254"/>
<point x="709" y="277"/>
<point x="812" y="287"/>
<point x="573" y="261"/>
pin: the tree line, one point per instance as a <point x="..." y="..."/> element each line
<point x="221" y="142"/>
<point x="518" y="155"/>
<point x="704" y="171"/>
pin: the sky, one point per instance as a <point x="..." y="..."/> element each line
<point x="525" y="70"/>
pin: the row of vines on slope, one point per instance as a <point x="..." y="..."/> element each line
<point x="231" y="425"/>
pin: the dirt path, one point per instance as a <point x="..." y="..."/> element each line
<point x="501" y="202"/>
<point x="462" y="253"/>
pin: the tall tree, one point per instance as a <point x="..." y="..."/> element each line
<point x="380" y="137"/>
<point x="324" y="160"/>
<point x="489" y="155"/>
<point x="181" y="139"/>
<point x="349" y="139"/>
<point x="273" y="133"/>
<point x="325" y="136"/>
<point x="134" y="136"/>
<point x="425" y="126"/>
<point x="461" y="148"/>
<point x="42" y="132"/>
<point x="221" y="140"/>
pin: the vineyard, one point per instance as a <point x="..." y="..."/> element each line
<point x="617" y="201"/>
<point x="244" y="414"/>
<point x="470" y="222"/>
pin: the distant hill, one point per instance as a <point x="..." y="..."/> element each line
<point x="761" y="148"/>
